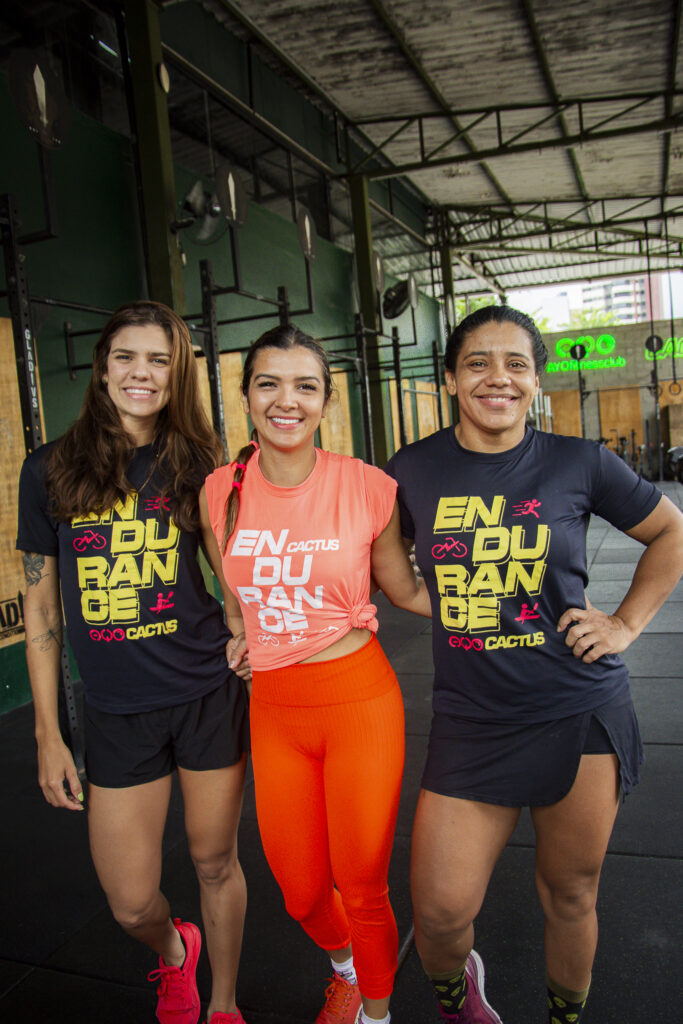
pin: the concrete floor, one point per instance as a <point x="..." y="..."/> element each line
<point x="62" y="958"/>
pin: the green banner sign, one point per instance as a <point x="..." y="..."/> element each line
<point x="600" y="353"/>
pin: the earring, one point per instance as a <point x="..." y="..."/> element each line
<point x="105" y="379"/>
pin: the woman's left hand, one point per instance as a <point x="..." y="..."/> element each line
<point x="237" y="655"/>
<point x="593" y="633"/>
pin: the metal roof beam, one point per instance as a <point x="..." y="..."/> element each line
<point x="561" y="224"/>
<point x="671" y="92"/>
<point x="546" y="73"/>
<point x="397" y="35"/>
<point x="664" y="124"/>
<point x="561" y="106"/>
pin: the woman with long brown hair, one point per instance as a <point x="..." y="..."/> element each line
<point x="108" y="524"/>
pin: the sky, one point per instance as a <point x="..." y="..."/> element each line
<point x="557" y="300"/>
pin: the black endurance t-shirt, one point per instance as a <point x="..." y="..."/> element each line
<point x="501" y="542"/>
<point x="144" y="630"/>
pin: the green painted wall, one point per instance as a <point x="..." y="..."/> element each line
<point x="97" y="257"/>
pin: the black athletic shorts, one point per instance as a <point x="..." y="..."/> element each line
<point x="203" y="734"/>
<point x="528" y="764"/>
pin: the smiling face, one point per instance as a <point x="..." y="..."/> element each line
<point x="495" y="381"/>
<point x="139" y="377"/>
<point x="286" y="398"/>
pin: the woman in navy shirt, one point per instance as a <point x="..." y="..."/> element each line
<point x="532" y="705"/>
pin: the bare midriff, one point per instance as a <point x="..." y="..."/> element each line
<point x="350" y="642"/>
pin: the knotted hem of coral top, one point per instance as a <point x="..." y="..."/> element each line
<point x="364" y="616"/>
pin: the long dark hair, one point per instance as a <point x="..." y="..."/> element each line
<point x="283" y="338"/>
<point x="498" y="315"/>
<point x="86" y="470"/>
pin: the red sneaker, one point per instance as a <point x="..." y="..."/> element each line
<point x="178" y="998"/>
<point x="342" y="1002"/>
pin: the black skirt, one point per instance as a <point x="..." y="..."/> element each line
<point x="528" y="764"/>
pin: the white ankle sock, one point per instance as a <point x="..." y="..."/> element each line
<point x="345" y="970"/>
<point x="364" y="1019"/>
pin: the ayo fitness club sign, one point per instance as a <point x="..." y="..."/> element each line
<point x="602" y="354"/>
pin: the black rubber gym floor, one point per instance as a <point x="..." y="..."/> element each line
<point x="62" y="958"/>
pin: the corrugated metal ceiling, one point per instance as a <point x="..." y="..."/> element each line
<point x="506" y="76"/>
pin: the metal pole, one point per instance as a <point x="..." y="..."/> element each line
<point x="209" y="343"/>
<point x="581" y="399"/>
<point x="362" y="368"/>
<point x="655" y="372"/>
<point x="437" y="378"/>
<point x="20" y="312"/>
<point x="396" y="350"/>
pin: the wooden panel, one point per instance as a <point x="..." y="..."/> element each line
<point x="204" y="390"/>
<point x="620" y="413"/>
<point x="394" y="414"/>
<point x="13" y="452"/>
<point x="669" y="397"/>
<point x="407" y="413"/>
<point x="672" y="424"/>
<point x="236" y="422"/>
<point x="427" y="413"/>
<point x="566" y="412"/>
<point x="335" y="430"/>
<point x="446" y="407"/>
<point x="408" y="407"/>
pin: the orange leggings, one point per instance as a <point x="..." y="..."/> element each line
<point x="327" y="742"/>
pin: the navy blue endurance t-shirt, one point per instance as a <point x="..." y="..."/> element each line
<point x="144" y="630"/>
<point x="501" y="541"/>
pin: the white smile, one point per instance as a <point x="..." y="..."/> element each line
<point x="284" y="421"/>
<point x="139" y="392"/>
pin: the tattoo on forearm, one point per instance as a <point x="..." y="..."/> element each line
<point x="45" y="640"/>
<point x="33" y="567"/>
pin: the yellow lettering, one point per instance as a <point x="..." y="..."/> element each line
<point x="125" y="570"/>
<point x="95" y="606"/>
<point x="92" y="571"/>
<point x="454" y="612"/>
<point x="518" y="573"/>
<point x="124" y="605"/>
<point x="153" y="565"/>
<point x="125" y="509"/>
<point x="155" y="543"/>
<point x="449" y="513"/>
<point x="489" y="516"/>
<point x="127" y="536"/>
<point x="461" y="513"/>
<point x="486" y="580"/>
<point x="484" y="613"/>
<point x="452" y="578"/>
<point x="540" y="548"/>
<point x="491" y="544"/>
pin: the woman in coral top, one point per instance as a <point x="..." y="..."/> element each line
<point x="299" y="531"/>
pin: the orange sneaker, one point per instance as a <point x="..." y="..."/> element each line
<point x="178" y="998"/>
<point x="342" y="1002"/>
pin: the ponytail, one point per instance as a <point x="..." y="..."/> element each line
<point x="232" y="505"/>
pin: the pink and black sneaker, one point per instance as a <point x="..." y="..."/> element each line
<point x="475" y="1010"/>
